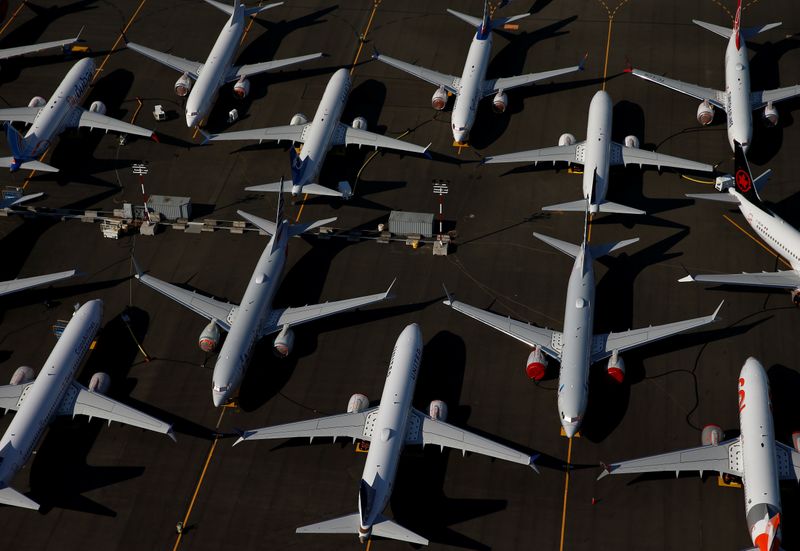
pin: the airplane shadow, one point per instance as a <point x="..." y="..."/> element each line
<point x="784" y="384"/>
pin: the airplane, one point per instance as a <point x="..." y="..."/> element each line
<point x="597" y="154"/>
<point x="472" y="86"/>
<point x="576" y="348"/>
<point x="381" y="426"/>
<point x="49" y="118"/>
<point x="54" y="392"/>
<point x="201" y="81"/>
<point x="742" y="190"/>
<point x="318" y="137"/>
<point x="736" y="100"/>
<point x="754" y="456"/>
<point x="6" y="53"/>
<point x="255" y="318"/>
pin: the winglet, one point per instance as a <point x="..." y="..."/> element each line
<point x="137" y="268"/>
<point x="532" y="464"/>
<point x="628" y="66"/>
<point x="606" y="471"/>
<point x="169" y="433"/>
<point x="375" y="53"/>
<point x="714" y="315"/>
<point x="582" y="64"/>
<point x="154" y="137"/>
<point x="687" y="279"/>
<point x="449" y="301"/>
<point x="388" y="292"/>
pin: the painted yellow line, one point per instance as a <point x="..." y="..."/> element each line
<point x="608" y="50"/>
<point x="247" y="28"/>
<point x="138" y="108"/>
<point x="754" y="238"/>
<point x="697" y="181"/>
<point x="566" y="489"/>
<point x="369" y="544"/>
<point x="297" y="219"/>
<point x="363" y="38"/>
<point x="589" y="229"/>
<point x="116" y="42"/>
<point x="13" y="16"/>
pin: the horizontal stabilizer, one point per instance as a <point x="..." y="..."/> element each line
<point x="724" y="32"/>
<point x="28" y="165"/>
<point x="721" y="197"/>
<point x="9" y="496"/>
<point x="311" y="189"/>
<point x="750" y="32"/>
<point x="297" y="229"/>
<point x="386" y="528"/>
<point x="262" y="224"/>
<point x="580" y="206"/>
<point x="606" y="248"/>
<point x="347" y="524"/>
<point x="566" y="248"/>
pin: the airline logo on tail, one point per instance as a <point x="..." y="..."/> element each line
<point x="743" y="181"/>
<point x="736" y="24"/>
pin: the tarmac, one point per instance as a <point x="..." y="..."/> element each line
<point x="119" y="488"/>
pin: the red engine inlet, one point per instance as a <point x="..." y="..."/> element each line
<point x="616" y="367"/>
<point x="536" y="368"/>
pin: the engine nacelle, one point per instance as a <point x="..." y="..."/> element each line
<point x="796" y="440"/>
<point x="22" y="376"/>
<point x="183" y="85"/>
<point x="284" y="342"/>
<point x="241" y="88"/>
<point x="100" y="382"/>
<point x="500" y="102"/>
<point x="537" y="364"/>
<point x="98" y="107"/>
<point x="439" y="99"/>
<point x="566" y="139"/>
<point x="298" y="119"/>
<point x="632" y="141"/>
<point x="438" y="410"/>
<point x="359" y="123"/>
<point x="357" y="403"/>
<point x="209" y="338"/>
<point x="705" y="113"/>
<point x="37" y="101"/>
<point x="770" y="115"/>
<point x="712" y="435"/>
<point x="616" y="367"/>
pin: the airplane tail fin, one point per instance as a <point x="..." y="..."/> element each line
<point x="16" y="143"/>
<point x="743" y="178"/>
<point x="351" y="524"/>
<point x="298" y="166"/>
<point x="9" y="496"/>
<point x="737" y="24"/>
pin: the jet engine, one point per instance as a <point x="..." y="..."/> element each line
<point x="439" y="99"/>
<point x="500" y="102"/>
<point x="712" y="435"/>
<point x="632" y="141"/>
<point x="537" y="364"/>
<point x="359" y="123"/>
<point x="209" y="338"/>
<point x="705" y="113"/>
<point x="770" y="115"/>
<point x="22" y="376"/>
<point x="98" y="107"/>
<point x="241" y="88"/>
<point x="438" y="410"/>
<point x="566" y="139"/>
<point x="100" y="382"/>
<point x="298" y="119"/>
<point x="616" y="367"/>
<point x="37" y="101"/>
<point x="284" y="342"/>
<point x="183" y="85"/>
<point x="357" y="403"/>
<point x="796" y="440"/>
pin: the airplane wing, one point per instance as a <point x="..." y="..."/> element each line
<point x="788" y="462"/>
<point x="760" y="99"/>
<point x="16" y="285"/>
<point x="90" y="119"/>
<point x="604" y="345"/>
<point x="295" y="316"/>
<point x="256" y="68"/>
<point x="784" y="279"/>
<point x="449" y="82"/>
<point x="192" y="68"/>
<point x="561" y="153"/>
<point x="292" y="133"/>
<point x="493" y="86"/>
<point x="19" y="114"/>
<point x="715" y="97"/>
<point x="444" y="435"/>
<point x="347" y="135"/>
<point x="346" y="425"/>
<point x="79" y="400"/>
<point x="621" y="155"/>
<point x="549" y="341"/>
<point x="10" y="395"/>
<point x="223" y="313"/>
<point x="722" y="459"/>
<point x="5" y="53"/>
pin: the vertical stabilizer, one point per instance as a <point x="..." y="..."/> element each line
<point x="17" y="145"/>
<point x="743" y="178"/>
<point x="737" y="23"/>
<point x="486" y="21"/>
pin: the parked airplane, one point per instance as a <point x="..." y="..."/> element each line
<point x="388" y="428"/>
<point x="201" y="81"/>
<point x="49" y="118"/>
<point x="472" y="86"/>
<point x="576" y="348"/>
<point x="255" y="318"/>
<point x="736" y="100"/>
<point x="742" y="189"/>
<point x="597" y="154"/>
<point x="55" y="392"/>
<point x="7" y="53"/>
<point x="754" y="456"/>
<point x="318" y="137"/>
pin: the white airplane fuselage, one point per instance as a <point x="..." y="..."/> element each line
<point x="471" y="86"/>
<point x="778" y="234"/>
<point x="597" y="152"/>
<point x="42" y="400"/>
<point x="759" y="464"/>
<point x="738" y="108"/>
<point x="213" y="75"/>
<point x="250" y="318"/>
<point x="389" y="432"/>
<point x="573" y="375"/>
<point x="320" y="133"/>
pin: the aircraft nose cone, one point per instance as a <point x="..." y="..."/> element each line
<point x="219" y="398"/>
<point x="191" y="121"/>
<point x="570" y="429"/>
